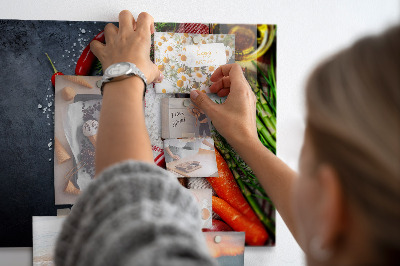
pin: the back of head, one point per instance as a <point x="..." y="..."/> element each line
<point x="353" y="104"/>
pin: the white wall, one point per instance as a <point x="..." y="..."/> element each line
<point x="307" y="32"/>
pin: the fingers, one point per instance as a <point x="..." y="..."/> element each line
<point x="97" y="48"/>
<point x="234" y="71"/>
<point x="126" y="22"/>
<point x="223" y="92"/>
<point x="145" y="24"/>
<point x="224" y="82"/>
<point x="203" y="102"/>
<point x="110" y="31"/>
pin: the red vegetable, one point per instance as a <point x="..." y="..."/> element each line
<point x="87" y="58"/>
<point x="227" y="189"/>
<point x="255" y="234"/>
<point x="218" y="226"/>
<point x="56" y="73"/>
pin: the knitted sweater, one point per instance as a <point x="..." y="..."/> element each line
<point x="134" y="213"/>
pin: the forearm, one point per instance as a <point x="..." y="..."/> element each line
<point x="273" y="174"/>
<point x="122" y="131"/>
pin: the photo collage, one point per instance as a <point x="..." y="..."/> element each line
<point x="235" y="210"/>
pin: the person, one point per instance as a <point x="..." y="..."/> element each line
<point x="342" y="207"/>
<point x="201" y="121"/>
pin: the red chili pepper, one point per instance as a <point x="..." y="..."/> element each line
<point x="56" y="73"/>
<point x="87" y="58"/>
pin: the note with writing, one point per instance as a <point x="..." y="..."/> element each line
<point x="205" y="55"/>
<point x="181" y="119"/>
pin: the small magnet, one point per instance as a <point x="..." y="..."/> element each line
<point x="187" y="102"/>
<point x="217" y="239"/>
<point x="98" y="83"/>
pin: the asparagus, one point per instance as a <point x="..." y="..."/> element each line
<point x="262" y="114"/>
<point x="263" y="131"/>
<point x="272" y="92"/>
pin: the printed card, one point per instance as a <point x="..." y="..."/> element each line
<point x="182" y="119"/>
<point x="188" y="60"/>
<point x="191" y="157"/>
<point x="226" y="247"/>
<point x="45" y="230"/>
<point x="203" y="198"/>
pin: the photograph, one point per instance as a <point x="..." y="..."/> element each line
<point x="187" y="60"/>
<point x="203" y="198"/>
<point x="77" y="112"/>
<point x="182" y="119"/>
<point x="226" y="247"/>
<point x="193" y="157"/>
<point x="45" y="230"/>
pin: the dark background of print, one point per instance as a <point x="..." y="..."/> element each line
<point x="26" y="174"/>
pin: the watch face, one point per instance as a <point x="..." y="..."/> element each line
<point x="118" y="69"/>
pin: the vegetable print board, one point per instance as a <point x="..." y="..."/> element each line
<point x="25" y="44"/>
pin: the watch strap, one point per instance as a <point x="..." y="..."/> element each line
<point x="135" y="71"/>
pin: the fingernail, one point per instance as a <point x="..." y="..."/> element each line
<point x="193" y="94"/>
<point x="160" y="78"/>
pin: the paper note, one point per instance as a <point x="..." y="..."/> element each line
<point x="181" y="119"/>
<point x="205" y="55"/>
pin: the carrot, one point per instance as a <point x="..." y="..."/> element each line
<point x="78" y="80"/>
<point x="255" y="235"/>
<point x="227" y="189"/>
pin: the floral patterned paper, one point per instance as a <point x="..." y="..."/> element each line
<point x="170" y="56"/>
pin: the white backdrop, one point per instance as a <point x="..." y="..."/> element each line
<point x="307" y="32"/>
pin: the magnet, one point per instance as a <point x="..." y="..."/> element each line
<point x="217" y="239"/>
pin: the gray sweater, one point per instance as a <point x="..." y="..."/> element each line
<point x="134" y="213"/>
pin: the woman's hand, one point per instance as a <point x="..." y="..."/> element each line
<point x="235" y="119"/>
<point x="128" y="43"/>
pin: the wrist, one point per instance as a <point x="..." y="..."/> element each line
<point x="243" y="143"/>
<point x="125" y="86"/>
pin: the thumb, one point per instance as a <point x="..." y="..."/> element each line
<point x="202" y="101"/>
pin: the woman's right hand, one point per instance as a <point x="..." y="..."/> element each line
<point x="235" y="119"/>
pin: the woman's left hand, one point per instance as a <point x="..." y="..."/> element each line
<point x="129" y="43"/>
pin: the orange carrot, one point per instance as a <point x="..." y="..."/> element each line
<point x="255" y="235"/>
<point x="227" y="189"/>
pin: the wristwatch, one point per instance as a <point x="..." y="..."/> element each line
<point x="124" y="70"/>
